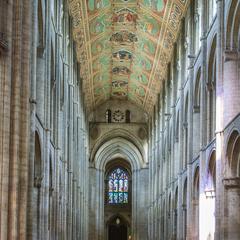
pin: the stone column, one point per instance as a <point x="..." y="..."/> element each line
<point x="34" y="184"/>
<point x="220" y="112"/>
<point x="232" y="209"/>
<point x="190" y="145"/>
<point x="18" y="159"/>
<point x="179" y="209"/>
<point x="5" y="94"/>
<point x="101" y="220"/>
<point x="207" y="217"/>
<point x="135" y="174"/>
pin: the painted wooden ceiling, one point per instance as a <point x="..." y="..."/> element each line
<point x="124" y="47"/>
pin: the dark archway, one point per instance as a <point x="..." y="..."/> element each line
<point x="117" y="229"/>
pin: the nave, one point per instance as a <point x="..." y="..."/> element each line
<point x="119" y="120"/>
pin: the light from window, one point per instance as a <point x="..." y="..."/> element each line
<point x="118" y="187"/>
<point x="108" y="116"/>
<point x="128" y="116"/>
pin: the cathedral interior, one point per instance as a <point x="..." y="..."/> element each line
<point x="119" y="119"/>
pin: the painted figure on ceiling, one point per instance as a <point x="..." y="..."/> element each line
<point x="119" y="84"/>
<point x="147" y="46"/>
<point x="123" y="37"/>
<point x="149" y="28"/>
<point x="99" y="47"/>
<point x="119" y="94"/>
<point x="99" y="27"/>
<point x="125" y="17"/>
<point x="145" y="64"/>
<point x="155" y="5"/>
<point x="121" y="70"/>
<point x="122" y="55"/>
<point x="140" y="91"/>
<point x="98" y="78"/>
<point x="97" y="4"/>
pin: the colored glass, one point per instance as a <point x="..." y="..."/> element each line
<point x="118" y="187"/>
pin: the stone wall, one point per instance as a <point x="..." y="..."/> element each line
<point x="192" y="194"/>
<point x="44" y="131"/>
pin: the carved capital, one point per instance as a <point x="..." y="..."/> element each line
<point x="231" y="182"/>
<point x="231" y="55"/>
<point x="37" y="182"/>
<point x="196" y="109"/>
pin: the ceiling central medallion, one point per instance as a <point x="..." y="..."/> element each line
<point x="124" y="47"/>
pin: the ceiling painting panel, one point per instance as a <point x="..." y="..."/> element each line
<point x="124" y="47"/>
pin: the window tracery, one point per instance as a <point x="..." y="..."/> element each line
<point x="118" y="186"/>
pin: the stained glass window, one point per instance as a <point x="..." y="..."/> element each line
<point x="118" y="187"/>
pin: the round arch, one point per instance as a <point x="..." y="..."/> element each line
<point x="212" y="59"/>
<point x="212" y="166"/>
<point x="232" y="27"/>
<point x="197" y="89"/>
<point x="232" y="153"/>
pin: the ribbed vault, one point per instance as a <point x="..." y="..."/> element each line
<point x="124" y="47"/>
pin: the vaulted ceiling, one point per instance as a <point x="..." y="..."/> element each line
<point x="124" y="47"/>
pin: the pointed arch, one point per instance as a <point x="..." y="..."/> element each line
<point x="184" y="206"/>
<point x="41" y="29"/>
<point x="211" y="93"/>
<point x="186" y="112"/>
<point x="195" y="201"/>
<point x="185" y="127"/>
<point x="126" y="136"/>
<point x="177" y="127"/>
<point x="169" y="216"/>
<point x="196" y="184"/>
<point x="233" y="26"/>
<point x="37" y="161"/>
<point x="212" y="60"/>
<point x="197" y="90"/>
<point x="175" y="209"/>
<point x="118" y="148"/>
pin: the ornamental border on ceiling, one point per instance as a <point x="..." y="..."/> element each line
<point x="173" y="13"/>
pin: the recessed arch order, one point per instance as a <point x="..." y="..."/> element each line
<point x="118" y="147"/>
<point x="105" y="152"/>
